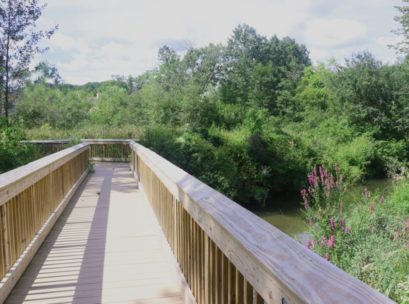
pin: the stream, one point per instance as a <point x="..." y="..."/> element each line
<point x="291" y="220"/>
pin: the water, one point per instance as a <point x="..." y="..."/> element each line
<point x="291" y="221"/>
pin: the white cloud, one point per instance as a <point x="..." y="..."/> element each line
<point x="97" y="39"/>
<point x="333" y="32"/>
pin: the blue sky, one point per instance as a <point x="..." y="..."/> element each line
<point x="98" y="39"/>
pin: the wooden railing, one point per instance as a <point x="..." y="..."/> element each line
<point x="229" y="255"/>
<point x="109" y="149"/>
<point x="31" y="199"/>
<point x="226" y="253"/>
<point x="100" y="149"/>
<point x="46" y="147"/>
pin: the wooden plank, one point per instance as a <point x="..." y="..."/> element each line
<point x="107" y="247"/>
<point x="277" y="266"/>
<point x="7" y="283"/>
<point x="15" y="181"/>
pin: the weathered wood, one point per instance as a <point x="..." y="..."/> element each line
<point x="276" y="266"/>
<point x="15" y="181"/>
<point x="31" y="198"/>
<point x="13" y="275"/>
<point x="107" y="247"/>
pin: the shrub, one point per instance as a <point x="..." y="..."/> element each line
<point x="368" y="238"/>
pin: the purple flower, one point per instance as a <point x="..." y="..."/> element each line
<point x="305" y="199"/>
<point x="332" y="223"/>
<point x="327" y="257"/>
<point x="331" y="241"/>
<point x="323" y="174"/>
<point x="313" y="178"/>
<point x="341" y="223"/>
<point x="310" y="244"/>
<point x="347" y="230"/>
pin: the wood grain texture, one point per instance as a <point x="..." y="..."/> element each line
<point x="15" y="181"/>
<point x="107" y="247"/>
<point x="276" y="266"/>
<point x="13" y="275"/>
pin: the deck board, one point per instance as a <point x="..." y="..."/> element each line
<point x="107" y="247"/>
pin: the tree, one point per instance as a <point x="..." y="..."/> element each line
<point x="18" y="44"/>
<point x="47" y="73"/>
<point x="403" y="19"/>
<point x="261" y="72"/>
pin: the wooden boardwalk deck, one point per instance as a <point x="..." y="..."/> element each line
<point x="107" y="247"/>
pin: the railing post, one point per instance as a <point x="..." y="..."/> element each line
<point x="207" y="270"/>
<point x="6" y="245"/>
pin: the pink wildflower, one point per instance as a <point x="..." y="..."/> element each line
<point x="323" y="174"/>
<point x="341" y="223"/>
<point x="331" y="241"/>
<point x="327" y="257"/>
<point x="305" y="199"/>
<point x="310" y="244"/>
<point x="347" y="230"/>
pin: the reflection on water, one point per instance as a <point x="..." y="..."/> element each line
<point x="291" y="221"/>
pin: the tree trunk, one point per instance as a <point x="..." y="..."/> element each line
<point x="7" y="70"/>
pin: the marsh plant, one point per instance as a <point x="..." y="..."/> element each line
<point x="369" y="237"/>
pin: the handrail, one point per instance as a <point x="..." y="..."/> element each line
<point x="100" y="149"/>
<point x="226" y="253"/>
<point x="32" y="197"/>
<point x="245" y="258"/>
<point x="19" y="179"/>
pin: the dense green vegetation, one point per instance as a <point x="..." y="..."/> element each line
<point x="252" y="118"/>
<point x="368" y="238"/>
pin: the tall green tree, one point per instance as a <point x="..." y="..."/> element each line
<point x="19" y="41"/>
<point x="403" y="19"/>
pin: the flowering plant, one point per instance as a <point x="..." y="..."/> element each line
<point x="324" y="210"/>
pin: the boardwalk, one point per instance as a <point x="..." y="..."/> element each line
<point x="107" y="247"/>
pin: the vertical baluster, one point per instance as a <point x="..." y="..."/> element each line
<point x="5" y="237"/>
<point x="239" y="287"/>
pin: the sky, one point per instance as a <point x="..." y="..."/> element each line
<point x="98" y="39"/>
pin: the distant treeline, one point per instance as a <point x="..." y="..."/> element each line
<point x="250" y="117"/>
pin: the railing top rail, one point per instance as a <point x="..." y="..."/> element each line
<point x="90" y="141"/>
<point x="276" y="265"/>
<point x="47" y="141"/>
<point x="106" y="141"/>
<point x="15" y="181"/>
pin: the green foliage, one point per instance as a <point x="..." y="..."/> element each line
<point x="367" y="238"/>
<point x="403" y="19"/>
<point x="13" y="152"/>
<point x="251" y="118"/>
<point x="19" y="39"/>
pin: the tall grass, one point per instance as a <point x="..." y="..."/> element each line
<point x="369" y="238"/>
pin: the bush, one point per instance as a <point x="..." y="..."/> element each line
<point x="13" y="152"/>
<point x="368" y="238"/>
